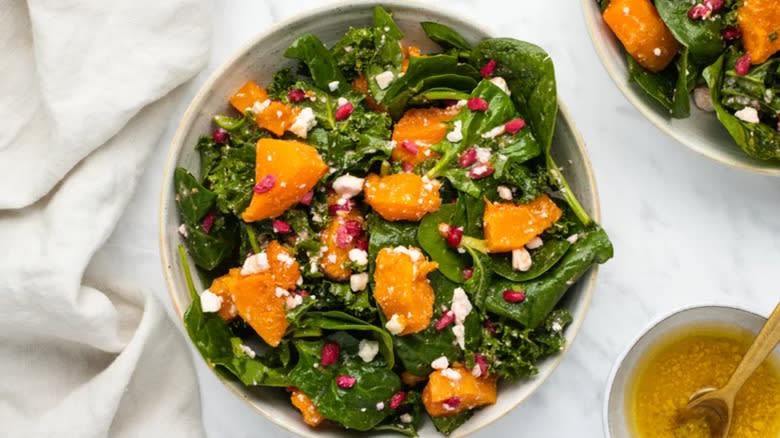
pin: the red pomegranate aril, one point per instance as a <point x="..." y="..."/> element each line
<point x="362" y="243"/>
<point x="481" y="171"/>
<point x="482" y="363"/>
<point x="407" y="166"/>
<point x="451" y="403"/>
<point x="742" y="67"/>
<point x="343" y="112"/>
<point x="333" y="209"/>
<point x="731" y="33"/>
<point x="220" y="136"/>
<point x="281" y="227"/>
<point x="345" y="382"/>
<point x="330" y="353"/>
<point x="265" y="184"/>
<point x="454" y="236"/>
<point x="488" y="69"/>
<point x="354" y="228"/>
<point x="514" y="126"/>
<point x="468" y="157"/>
<point x="714" y="5"/>
<point x="514" y="296"/>
<point x="489" y="326"/>
<point x="699" y="12"/>
<point x="208" y="222"/>
<point x="397" y="399"/>
<point x="468" y="273"/>
<point x="343" y="237"/>
<point x="306" y="200"/>
<point x="477" y="104"/>
<point x="445" y="321"/>
<point x="409" y="146"/>
<point x="296" y="95"/>
<point x="302" y="293"/>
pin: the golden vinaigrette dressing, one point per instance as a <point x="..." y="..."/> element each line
<point x="693" y="358"/>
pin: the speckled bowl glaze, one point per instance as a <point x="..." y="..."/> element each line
<point x="258" y="60"/>
<point x="702" y="132"/>
<point x="616" y="422"/>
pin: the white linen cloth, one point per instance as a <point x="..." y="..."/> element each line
<point x="86" y="89"/>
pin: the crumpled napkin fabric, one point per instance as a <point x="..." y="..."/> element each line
<point x="86" y="89"/>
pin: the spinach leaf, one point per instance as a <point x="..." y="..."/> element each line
<point x="756" y="139"/>
<point x="210" y="250"/>
<point x="481" y="276"/>
<point x="445" y="36"/>
<point x="701" y="37"/>
<point x="447" y="425"/>
<point x="760" y="88"/>
<point x="194" y="200"/>
<point x="385" y="234"/>
<point x="438" y="93"/>
<point x="473" y="211"/>
<point x="354" y="408"/>
<point x="412" y="405"/>
<point x="451" y="264"/>
<point x="322" y="67"/>
<point x="336" y="320"/>
<point x="659" y="86"/>
<point x="542" y="258"/>
<point x="543" y="293"/>
<point x="386" y="37"/>
<point x="686" y="81"/>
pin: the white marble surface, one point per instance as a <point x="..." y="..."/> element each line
<point x="686" y="230"/>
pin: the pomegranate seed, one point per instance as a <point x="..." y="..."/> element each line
<point x="699" y="12"/>
<point x="477" y="104"/>
<point x="306" y="200"/>
<point x="302" y="293"/>
<point x="330" y="353"/>
<point x="407" y="167"/>
<point x="714" y="5"/>
<point x="445" y="321"/>
<point x="742" y="67"/>
<point x="468" y="157"/>
<point x="220" y="136"/>
<point x="481" y="171"/>
<point x="487" y="70"/>
<point x="345" y="382"/>
<point x="409" y="146"/>
<point x="468" y="273"/>
<point x="514" y="296"/>
<point x="344" y="111"/>
<point x="731" y="33"/>
<point x="333" y="209"/>
<point x="489" y="326"/>
<point x="451" y="403"/>
<point x="281" y="227"/>
<point x="454" y="236"/>
<point x="397" y="399"/>
<point x="354" y="228"/>
<point x="481" y="362"/>
<point x="514" y="126"/>
<point x="265" y="185"/>
<point x="343" y="237"/>
<point x="362" y="243"/>
<point x="208" y="222"/>
<point x="296" y="95"/>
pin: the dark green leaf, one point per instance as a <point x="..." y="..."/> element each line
<point x="451" y="264"/>
<point x="542" y="258"/>
<point x="444" y="36"/>
<point x="322" y="67"/>
<point x="335" y="320"/>
<point x="447" y="425"/>
<point x="194" y="200"/>
<point x="701" y="37"/>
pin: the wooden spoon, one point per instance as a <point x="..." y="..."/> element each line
<point x="718" y="404"/>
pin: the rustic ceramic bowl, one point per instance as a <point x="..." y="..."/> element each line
<point x="616" y="421"/>
<point x="701" y="132"/>
<point x="258" y="60"/>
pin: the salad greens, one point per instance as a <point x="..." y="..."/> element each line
<point x="315" y="319"/>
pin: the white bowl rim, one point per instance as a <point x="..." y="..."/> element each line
<point x="178" y="138"/>
<point x="653" y="116"/>
<point x="644" y="332"/>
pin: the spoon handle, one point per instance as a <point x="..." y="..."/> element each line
<point x="765" y="342"/>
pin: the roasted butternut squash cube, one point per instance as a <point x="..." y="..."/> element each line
<point x="509" y="226"/>
<point x="759" y="21"/>
<point x="284" y="268"/>
<point x="222" y="286"/>
<point x="258" y="304"/>
<point x="311" y="416"/>
<point x="246" y="96"/>
<point x="293" y="169"/>
<point x="402" y="196"/>
<point x="422" y="127"/>
<point x="444" y="396"/>
<point x="276" y="117"/>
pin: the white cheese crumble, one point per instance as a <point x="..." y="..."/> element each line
<point x="483" y="154"/>
<point x="451" y="374"/>
<point x="358" y="282"/>
<point x="536" y="242"/>
<point x="341" y="101"/>
<point x="556" y="326"/>
<point x="501" y="83"/>
<point x="348" y="186"/>
<point x="333" y="86"/>
<point x="504" y="193"/>
<point x="210" y="302"/>
<point x="285" y="258"/>
<point x="255" y="264"/>
<point x="384" y="79"/>
<point x="248" y="351"/>
<point x="293" y="301"/>
<point x="380" y="406"/>
<point x="476" y="371"/>
<point x="304" y="121"/>
<point x="406" y="418"/>
<point x="461" y="306"/>
<point x="657" y="51"/>
<point x="394" y="325"/>
<point x="495" y="132"/>
<point x="259" y="107"/>
<point x="367" y="350"/>
<point x="456" y="134"/>
<point x="459" y="330"/>
<point x="359" y="256"/>
<point x="279" y="292"/>
<point x="183" y="231"/>
<point x="573" y="238"/>
<point x="747" y="114"/>
<point x="413" y="253"/>
<point x="440" y="363"/>
<point x="521" y="260"/>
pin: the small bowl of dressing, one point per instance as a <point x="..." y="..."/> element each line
<point x="688" y="350"/>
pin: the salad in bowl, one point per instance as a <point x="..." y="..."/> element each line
<point x="384" y="233"/>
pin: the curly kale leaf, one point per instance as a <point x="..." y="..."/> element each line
<point x="281" y="83"/>
<point x="232" y="179"/>
<point x="355" y="51"/>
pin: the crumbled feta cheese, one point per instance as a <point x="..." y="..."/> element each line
<point x="384" y="79"/>
<point x="358" y="282"/>
<point x="501" y="83"/>
<point x="210" y="302"/>
<point x="461" y="306"/>
<point x="440" y="363"/>
<point x="657" y="51"/>
<point x="341" y="101"/>
<point x="536" y="242"/>
<point x="248" y="351"/>
<point x="747" y="114"/>
<point x="293" y="301"/>
<point x="483" y="154"/>
<point x="459" y="330"/>
<point x="394" y="325"/>
<point x="521" y="260"/>
<point x="476" y="371"/>
<point x="279" y="292"/>
<point x="331" y="258"/>
<point x="380" y="406"/>
<point x="451" y="374"/>
<point x="255" y="264"/>
<point x="505" y="193"/>
<point x="359" y="256"/>
<point x="348" y="186"/>
<point x="556" y="326"/>
<point x="413" y="253"/>
<point x="259" y="107"/>
<point x="573" y="238"/>
<point x="461" y="103"/>
<point x="347" y="49"/>
<point x="406" y="418"/>
<point x="495" y="132"/>
<point x="285" y="258"/>
<point x="183" y="231"/>
<point x="333" y="86"/>
<point x="367" y="350"/>
<point x="456" y="134"/>
<point x="304" y="121"/>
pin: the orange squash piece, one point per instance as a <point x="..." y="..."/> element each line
<point x="402" y="196"/>
<point x="222" y="286"/>
<point x="360" y="84"/>
<point x="424" y="127"/>
<point x="509" y="226"/>
<point x="284" y="268"/>
<point x="401" y="287"/>
<point x="443" y="397"/>
<point x="758" y="21"/>
<point x="643" y="33"/>
<point x="311" y="416"/>
<point x="409" y="52"/>
<point x="296" y="167"/>
<point x="258" y="305"/>
<point x="334" y="257"/>
<point x="247" y="95"/>
<point x="277" y="117"/>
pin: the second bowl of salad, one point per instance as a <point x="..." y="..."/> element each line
<point x="379" y="219"/>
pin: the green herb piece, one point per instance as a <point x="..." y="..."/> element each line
<point x="322" y="67"/>
<point x="544" y="258"/>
